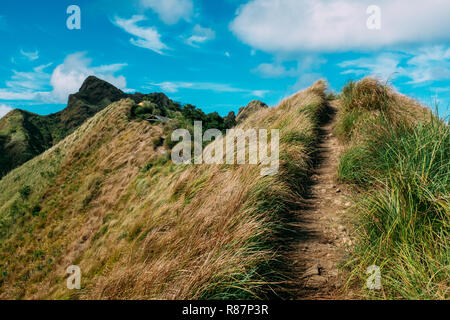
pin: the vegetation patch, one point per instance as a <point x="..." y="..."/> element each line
<point x="403" y="214"/>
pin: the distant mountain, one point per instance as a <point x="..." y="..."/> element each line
<point x="23" y="134"/>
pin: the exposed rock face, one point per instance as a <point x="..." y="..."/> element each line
<point x="93" y="96"/>
<point x="94" y="90"/>
<point x="252" y="107"/>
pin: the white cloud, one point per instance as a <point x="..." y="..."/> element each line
<point x="8" y="94"/>
<point x="421" y="66"/>
<point x="147" y="37"/>
<point x="339" y="25"/>
<point x="26" y="85"/>
<point x="429" y="64"/>
<point x="66" y="78"/>
<point x="384" y="66"/>
<point x="33" y="80"/>
<point x="172" y="87"/>
<point x="4" y="109"/>
<point x="170" y="11"/>
<point x="200" y="35"/>
<point x="34" y="55"/>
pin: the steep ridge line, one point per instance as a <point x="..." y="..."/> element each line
<point x="154" y="230"/>
<point x="321" y="223"/>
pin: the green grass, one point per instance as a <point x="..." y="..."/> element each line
<point x="347" y="124"/>
<point x="352" y="166"/>
<point x="403" y="215"/>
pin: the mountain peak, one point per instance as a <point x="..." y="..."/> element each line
<point x="93" y="81"/>
<point x="93" y="90"/>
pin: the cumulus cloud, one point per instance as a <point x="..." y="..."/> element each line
<point x="339" y="25"/>
<point x="147" y="37"/>
<point x="200" y="35"/>
<point x="66" y="78"/>
<point x="4" y="109"/>
<point x="170" y="11"/>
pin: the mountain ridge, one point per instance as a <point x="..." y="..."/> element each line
<point x="108" y="198"/>
<point x="24" y="134"/>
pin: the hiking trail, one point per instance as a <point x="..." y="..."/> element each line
<point x="323" y="237"/>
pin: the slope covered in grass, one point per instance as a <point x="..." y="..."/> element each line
<point x="108" y="199"/>
<point x="24" y="135"/>
<point x="399" y="159"/>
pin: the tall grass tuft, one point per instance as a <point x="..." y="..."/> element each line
<point x="403" y="216"/>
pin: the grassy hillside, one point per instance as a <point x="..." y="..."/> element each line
<point x="23" y="135"/>
<point x="108" y="199"/>
<point x="398" y="160"/>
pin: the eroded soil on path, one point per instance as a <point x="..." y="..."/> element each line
<point x="322" y="225"/>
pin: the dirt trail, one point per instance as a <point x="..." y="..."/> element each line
<point x="323" y="237"/>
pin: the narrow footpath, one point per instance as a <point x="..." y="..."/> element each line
<point x="323" y="236"/>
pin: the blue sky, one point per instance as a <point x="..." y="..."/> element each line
<point x="220" y="54"/>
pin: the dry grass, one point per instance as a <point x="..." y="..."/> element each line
<point x="169" y="232"/>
